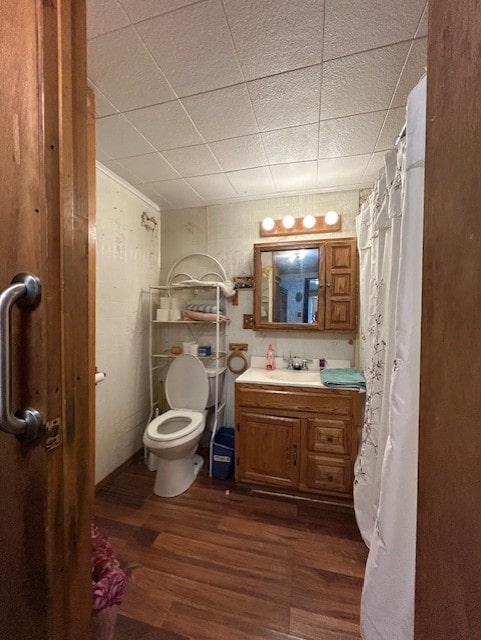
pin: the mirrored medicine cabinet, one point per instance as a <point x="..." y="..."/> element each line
<point x="306" y="285"/>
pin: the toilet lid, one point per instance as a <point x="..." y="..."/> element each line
<point x="187" y="384"/>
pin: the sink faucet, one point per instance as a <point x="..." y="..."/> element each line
<point x="290" y="361"/>
<point x="304" y="363"/>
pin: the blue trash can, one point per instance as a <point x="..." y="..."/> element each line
<point x="223" y="453"/>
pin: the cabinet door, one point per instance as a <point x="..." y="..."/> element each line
<point x="267" y="449"/>
<point x="341" y="285"/>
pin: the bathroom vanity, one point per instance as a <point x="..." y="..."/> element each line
<point x="292" y="432"/>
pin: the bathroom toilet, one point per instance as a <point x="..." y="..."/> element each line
<point x="173" y="436"/>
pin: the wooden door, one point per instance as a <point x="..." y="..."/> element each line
<point x="45" y="590"/>
<point x="341" y="283"/>
<point x="268" y="449"/>
<point x="448" y="583"/>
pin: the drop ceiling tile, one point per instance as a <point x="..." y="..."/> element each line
<point x="376" y="163"/>
<point x="350" y="136"/>
<point x="149" y="8"/>
<point x="193" y="47"/>
<point x="294" y="144"/>
<point x="102" y="106"/>
<point x="225" y="113"/>
<point x="391" y="128"/>
<point x="193" y="161"/>
<point x="271" y="37"/>
<point x="120" y="170"/>
<point x="100" y="154"/>
<point x="351" y="26"/>
<point x="166" y="126"/>
<point x="287" y="99"/>
<point x="213" y="186"/>
<point x="412" y="72"/>
<point x="117" y="137"/>
<point x="338" y="172"/>
<point x="422" y="30"/>
<point x="251" y="182"/>
<point x="362" y="82"/>
<point x="104" y="16"/>
<point x="151" y="167"/>
<point x="179" y="193"/>
<point x="240" y="153"/>
<point x="295" y="176"/>
<point x="122" y="68"/>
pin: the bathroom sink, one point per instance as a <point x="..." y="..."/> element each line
<point x="291" y="375"/>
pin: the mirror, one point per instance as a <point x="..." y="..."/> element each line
<point x="288" y="277"/>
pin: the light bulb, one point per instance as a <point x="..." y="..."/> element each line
<point x="288" y="222"/>
<point x="331" y="217"/>
<point x="268" y="224"/>
<point x="309" y="221"/>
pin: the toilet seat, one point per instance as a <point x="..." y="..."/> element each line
<point x="187" y="384"/>
<point x="160" y="429"/>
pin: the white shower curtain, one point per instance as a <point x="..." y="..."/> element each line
<point x="390" y="231"/>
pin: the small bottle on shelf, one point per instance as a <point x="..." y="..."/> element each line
<point x="270" y="359"/>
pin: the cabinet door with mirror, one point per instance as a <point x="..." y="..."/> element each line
<point x="306" y="285"/>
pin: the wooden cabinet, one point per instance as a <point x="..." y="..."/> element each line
<point x="341" y="285"/>
<point x="297" y="437"/>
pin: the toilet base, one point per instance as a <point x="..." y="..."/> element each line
<point x="173" y="477"/>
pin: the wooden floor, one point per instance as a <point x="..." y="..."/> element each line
<point x="218" y="563"/>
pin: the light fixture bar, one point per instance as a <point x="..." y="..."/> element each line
<point x="320" y="226"/>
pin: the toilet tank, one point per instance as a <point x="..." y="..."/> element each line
<point x="211" y="376"/>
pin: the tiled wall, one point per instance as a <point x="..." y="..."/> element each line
<point x="127" y="263"/>
<point x="228" y="232"/>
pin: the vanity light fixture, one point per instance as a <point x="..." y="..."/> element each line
<point x="268" y="224"/>
<point x="309" y="221"/>
<point x="331" y="217"/>
<point x="289" y="225"/>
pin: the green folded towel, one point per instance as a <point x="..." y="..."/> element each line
<point x="343" y="379"/>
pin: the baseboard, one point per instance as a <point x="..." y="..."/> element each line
<point x="101" y="484"/>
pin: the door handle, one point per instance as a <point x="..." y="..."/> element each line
<point x="25" y="290"/>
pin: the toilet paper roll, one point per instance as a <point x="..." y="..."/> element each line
<point x="194" y="348"/>
<point x="176" y="303"/>
<point x="186" y="347"/>
<point x="165" y="303"/>
<point x="163" y="315"/>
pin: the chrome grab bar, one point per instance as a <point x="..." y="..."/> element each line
<point x="25" y="290"/>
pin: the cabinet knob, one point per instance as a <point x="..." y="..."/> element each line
<point x="330" y="439"/>
<point x="330" y="477"/>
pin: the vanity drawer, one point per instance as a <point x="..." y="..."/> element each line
<point x="328" y="474"/>
<point x="338" y="403"/>
<point x="328" y="435"/>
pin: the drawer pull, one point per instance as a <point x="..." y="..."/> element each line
<point x="330" y="439"/>
<point x="330" y="477"/>
<point x="294" y="451"/>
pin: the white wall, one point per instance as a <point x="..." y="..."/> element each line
<point x="128" y="261"/>
<point x="228" y="232"/>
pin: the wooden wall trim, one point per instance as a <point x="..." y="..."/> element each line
<point x="448" y="586"/>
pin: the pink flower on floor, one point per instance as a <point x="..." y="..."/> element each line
<point x="108" y="579"/>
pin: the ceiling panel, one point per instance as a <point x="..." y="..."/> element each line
<point x="193" y="161"/>
<point x="293" y="144"/>
<point x="166" y="125"/>
<point x="353" y="26"/>
<point x="285" y="35"/>
<point x="225" y="113"/>
<point x="350" y="136"/>
<point x="240" y="153"/>
<point x="194" y="48"/>
<point x="287" y="99"/>
<point x="123" y="69"/>
<point x="202" y="101"/>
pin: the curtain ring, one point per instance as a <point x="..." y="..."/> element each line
<point x="237" y="354"/>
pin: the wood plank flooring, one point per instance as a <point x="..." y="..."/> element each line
<point x="219" y="562"/>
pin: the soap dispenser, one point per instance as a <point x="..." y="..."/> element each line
<point x="270" y="359"/>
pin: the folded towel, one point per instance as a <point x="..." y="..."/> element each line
<point x="343" y="379"/>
